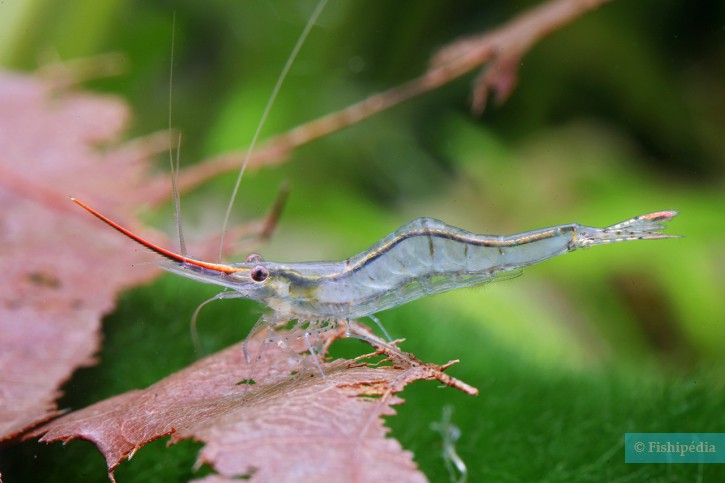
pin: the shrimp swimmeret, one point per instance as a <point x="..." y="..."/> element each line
<point x="423" y="257"/>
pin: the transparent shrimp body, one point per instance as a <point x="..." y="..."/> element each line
<point x="425" y="256"/>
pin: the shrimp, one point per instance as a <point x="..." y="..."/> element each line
<point x="423" y="257"/>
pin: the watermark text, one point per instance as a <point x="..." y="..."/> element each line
<point x="674" y="448"/>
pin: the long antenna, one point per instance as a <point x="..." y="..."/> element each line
<point x="293" y="55"/>
<point x="182" y="259"/>
<point x="175" y="166"/>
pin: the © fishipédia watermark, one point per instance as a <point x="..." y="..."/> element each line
<point x="674" y="448"/>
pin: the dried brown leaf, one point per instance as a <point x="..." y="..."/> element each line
<point x="58" y="275"/>
<point x="292" y="424"/>
<point x="62" y="270"/>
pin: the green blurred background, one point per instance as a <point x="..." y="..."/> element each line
<point x="618" y="114"/>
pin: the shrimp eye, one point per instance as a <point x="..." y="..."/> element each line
<point x="254" y="258"/>
<point x="259" y="273"/>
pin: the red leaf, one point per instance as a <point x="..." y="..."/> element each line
<point x="285" y="425"/>
<point x="57" y="280"/>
